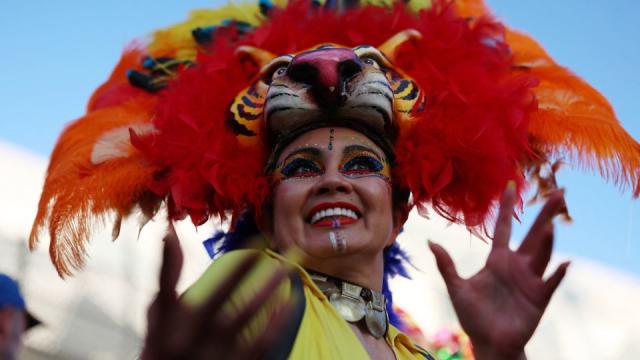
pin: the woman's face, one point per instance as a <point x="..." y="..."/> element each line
<point x="332" y="195"/>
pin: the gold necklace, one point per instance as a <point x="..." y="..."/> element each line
<point x="355" y="303"/>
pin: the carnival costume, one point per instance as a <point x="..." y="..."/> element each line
<point x="193" y="118"/>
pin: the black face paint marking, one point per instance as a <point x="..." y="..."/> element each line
<point x="330" y="146"/>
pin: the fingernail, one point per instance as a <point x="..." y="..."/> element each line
<point x="511" y="185"/>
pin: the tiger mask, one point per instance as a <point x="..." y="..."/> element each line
<point x="357" y="87"/>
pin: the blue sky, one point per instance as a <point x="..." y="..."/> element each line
<point x="57" y="53"/>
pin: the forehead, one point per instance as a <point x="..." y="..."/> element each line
<point x="336" y="136"/>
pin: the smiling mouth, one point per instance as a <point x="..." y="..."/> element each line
<point x="324" y="216"/>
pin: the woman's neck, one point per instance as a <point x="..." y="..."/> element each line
<point x="359" y="269"/>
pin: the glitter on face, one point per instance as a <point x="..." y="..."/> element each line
<point x="306" y="162"/>
<point x="332" y="238"/>
<point x="341" y="243"/>
<point x="358" y="160"/>
<point x="338" y="241"/>
<point x="361" y="161"/>
<point x="302" y="163"/>
<point x="331" y="134"/>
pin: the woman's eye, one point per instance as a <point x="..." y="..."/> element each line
<point x="301" y="168"/>
<point x="362" y="165"/>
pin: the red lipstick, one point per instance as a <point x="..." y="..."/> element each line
<point x="331" y="221"/>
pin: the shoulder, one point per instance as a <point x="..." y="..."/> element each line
<point x="289" y="291"/>
<point x="223" y="267"/>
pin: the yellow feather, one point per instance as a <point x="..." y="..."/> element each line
<point x="177" y="40"/>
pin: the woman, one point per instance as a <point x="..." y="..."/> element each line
<point x="311" y="180"/>
<point x="317" y="154"/>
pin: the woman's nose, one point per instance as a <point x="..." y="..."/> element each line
<point x="332" y="181"/>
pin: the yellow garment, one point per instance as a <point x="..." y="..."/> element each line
<point x="322" y="333"/>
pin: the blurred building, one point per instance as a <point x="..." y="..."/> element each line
<point x="100" y="312"/>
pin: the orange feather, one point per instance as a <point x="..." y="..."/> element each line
<point x="78" y="194"/>
<point x="574" y="119"/>
<point x="471" y="8"/>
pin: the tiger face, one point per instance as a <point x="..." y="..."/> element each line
<point x="326" y="85"/>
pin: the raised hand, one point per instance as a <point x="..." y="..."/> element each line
<point x="501" y="306"/>
<point x="180" y="331"/>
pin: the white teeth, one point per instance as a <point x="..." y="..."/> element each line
<point x="333" y="212"/>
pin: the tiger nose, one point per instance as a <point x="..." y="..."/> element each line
<point x="325" y="69"/>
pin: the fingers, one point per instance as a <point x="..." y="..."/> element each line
<point x="171" y="265"/>
<point x="551" y="284"/>
<point x="538" y="243"/>
<point x="212" y="306"/>
<point x="211" y="320"/>
<point x="551" y="208"/>
<point x="166" y="303"/>
<point x="539" y="259"/>
<point x="247" y="312"/>
<point x="277" y="324"/>
<point x="502" y="232"/>
<point x="445" y="264"/>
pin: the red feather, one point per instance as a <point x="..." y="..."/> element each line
<point x="459" y="153"/>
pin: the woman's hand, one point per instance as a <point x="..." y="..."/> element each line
<point x="501" y="306"/>
<point x="179" y="331"/>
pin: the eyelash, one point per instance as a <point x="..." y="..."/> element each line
<point x="301" y="168"/>
<point x="372" y="165"/>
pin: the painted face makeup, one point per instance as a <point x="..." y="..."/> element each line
<point x="331" y="135"/>
<point x="337" y="239"/>
<point x="356" y="140"/>
<point x="332" y="202"/>
<point x="301" y="164"/>
<point x="357" y="161"/>
<point x="360" y="161"/>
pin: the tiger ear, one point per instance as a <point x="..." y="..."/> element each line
<point x="258" y="56"/>
<point x="390" y="47"/>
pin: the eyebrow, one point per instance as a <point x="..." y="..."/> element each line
<point x="355" y="148"/>
<point x="304" y="150"/>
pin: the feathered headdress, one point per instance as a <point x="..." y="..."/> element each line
<point x="488" y="106"/>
